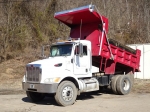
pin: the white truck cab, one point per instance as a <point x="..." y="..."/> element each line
<point x="69" y="62"/>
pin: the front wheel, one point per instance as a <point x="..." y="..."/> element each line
<point x="66" y="93"/>
<point x="34" y="96"/>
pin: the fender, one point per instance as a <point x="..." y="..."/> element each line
<point x="72" y="79"/>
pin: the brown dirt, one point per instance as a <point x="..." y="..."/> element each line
<point x="141" y="86"/>
<point x="11" y="73"/>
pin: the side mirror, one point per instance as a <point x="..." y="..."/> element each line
<point x="43" y="53"/>
<point x="80" y="49"/>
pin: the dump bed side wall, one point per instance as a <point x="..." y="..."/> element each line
<point x="120" y="55"/>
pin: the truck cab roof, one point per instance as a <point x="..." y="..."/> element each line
<point x="71" y="42"/>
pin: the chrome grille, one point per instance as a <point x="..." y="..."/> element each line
<point x="33" y="74"/>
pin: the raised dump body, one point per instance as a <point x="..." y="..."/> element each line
<point x="109" y="55"/>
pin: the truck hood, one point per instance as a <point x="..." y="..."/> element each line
<point x="48" y="69"/>
<point x="50" y="61"/>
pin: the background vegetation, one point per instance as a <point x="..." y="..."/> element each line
<point x="25" y="25"/>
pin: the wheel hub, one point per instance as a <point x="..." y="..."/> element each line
<point x="67" y="93"/>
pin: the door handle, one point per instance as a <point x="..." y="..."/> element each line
<point x="86" y="70"/>
<point x="71" y="60"/>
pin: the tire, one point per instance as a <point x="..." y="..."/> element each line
<point x="131" y="75"/>
<point x="114" y="83"/>
<point x="66" y="93"/>
<point x="35" y="97"/>
<point x="124" y="85"/>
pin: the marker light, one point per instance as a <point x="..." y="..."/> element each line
<point x="58" y="65"/>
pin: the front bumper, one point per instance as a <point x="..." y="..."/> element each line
<point x="41" y="88"/>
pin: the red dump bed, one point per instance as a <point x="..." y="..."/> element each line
<point x="108" y="55"/>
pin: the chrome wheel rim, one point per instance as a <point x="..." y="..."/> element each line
<point x="126" y="85"/>
<point x="67" y="93"/>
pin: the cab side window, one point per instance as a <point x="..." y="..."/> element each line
<point x="84" y="50"/>
<point x="76" y="52"/>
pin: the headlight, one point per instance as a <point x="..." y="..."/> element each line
<point x="52" y="80"/>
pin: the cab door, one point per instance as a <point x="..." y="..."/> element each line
<point x="81" y="63"/>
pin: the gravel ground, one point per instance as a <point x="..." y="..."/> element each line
<point x="14" y="99"/>
<point x="91" y="102"/>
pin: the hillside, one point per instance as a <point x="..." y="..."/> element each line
<point x="25" y="25"/>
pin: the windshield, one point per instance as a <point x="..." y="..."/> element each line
<point x="61" y="50"/>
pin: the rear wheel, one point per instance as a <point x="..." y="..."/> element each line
<point x="34" y="96"/>
<point x="114" y="83"/>
<point x="66" y="93"/>
<point x="131" y="75"/>
<point x="124" y="85"/>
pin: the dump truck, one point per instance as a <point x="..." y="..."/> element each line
<point x="85" y="62"/>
